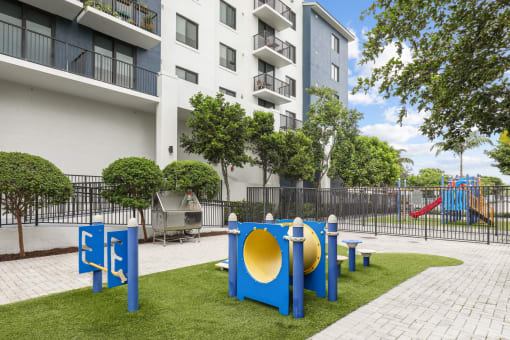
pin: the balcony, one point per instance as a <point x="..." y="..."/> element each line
<point x="68" y="9"/>
<point x="289" y="123"/>
<point x="37" y="60"/>
<point x="269" y="88"/>
<point x="274" y="13"/>
<point x="122" y="19"/>
<point x="272" y="50"/>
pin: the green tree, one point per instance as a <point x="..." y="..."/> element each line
<point x="491" y="181"/>
<point x="296" y="162"/>
<point x="501" y="155"/>
<point x="195" y="176"/>
<point x="132" y="183"/>
<point x="265" y="144"/>
<point x="427" y="177"/>
<point x="329" y="123"/>
<point x="24" y="179"/>
<point x="473" y="140"/>
<point x="375" y="163"/>
<point x="219" y="133"/>
<point x="451" y="58"/>
<point x="404" y="164"/>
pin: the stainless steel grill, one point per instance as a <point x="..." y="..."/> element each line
<point x="178" y="212"/>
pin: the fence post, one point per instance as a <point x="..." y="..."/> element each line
<point x="37" y="211"/>
<point x="375" y="214"/>
<point x="90" y="206"/>
<point x="426" y="220"/>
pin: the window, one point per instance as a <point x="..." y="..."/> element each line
<point x="227" y="57"/>
<point x="113" y="61"/>
<point x="265" y="30"/>
<point x="291" y="54"/>
<point x="335" y="43"/>
<point x="292" y="17"/>
<point x="266" y="104"/>
<point x="186" y="75"/>
<point x="227" y="92"/>
<point x="334" y="72"/>
<point x="227" y="14"/>
<point x="187" y="31"/>
<point x="292" y="85"/>
<point x="337" y="97"/>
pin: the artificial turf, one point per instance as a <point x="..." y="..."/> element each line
<point x="193" y="303"/>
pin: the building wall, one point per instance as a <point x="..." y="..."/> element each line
<point x="79" y="136"/>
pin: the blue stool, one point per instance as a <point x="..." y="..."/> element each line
<point x="339" y="260"/>
<point x="352" y="244"/>
<point x="366" y="253"/>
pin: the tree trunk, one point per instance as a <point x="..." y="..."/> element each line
<point x="224" y="170"/>
<point x="20" y="236"/>
<point x="461" y="154"/>
<point x="143" y="224"/>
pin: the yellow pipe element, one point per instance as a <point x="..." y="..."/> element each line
<point x="262" y="254"/>
<point x="119" y="274"/>
<point x="96" y="266"/>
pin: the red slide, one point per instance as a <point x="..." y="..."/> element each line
<point x="426" y="209"/>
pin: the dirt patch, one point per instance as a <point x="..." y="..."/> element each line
<point x="60" y="251"/>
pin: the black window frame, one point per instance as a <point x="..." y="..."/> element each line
<point x="234" y="69"/>
<point x="336" y="43"/>
<point x="228" y="92"/>
<point x="188" y="21"/>
<point x="186" y="73"/>
<point x="292" y="19"/>
<point x="292" y="52"/>
<point x="266" y="104"/>
<point x="292" y="86"/>
<point x="232" y="8"/>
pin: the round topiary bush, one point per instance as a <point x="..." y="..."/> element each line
<point x="133" y="181"/>
<point x="199" y="177"/>
<point x="24" y="179"/>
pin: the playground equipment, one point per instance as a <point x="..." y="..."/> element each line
<point x="122" y="257"/>
<point x="265" y="258"/>
<point x="352" y="244"/>
<point x="461" y="197"/>
<point x="176" y="211"/>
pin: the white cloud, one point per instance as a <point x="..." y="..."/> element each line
<point x="418" y="149"/>
<point x="372" y="97"/>
<point x="390" y="133"/>
<point x="413" y="117"/>
<point x="353" y="47"/>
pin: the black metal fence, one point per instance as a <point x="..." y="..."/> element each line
<point x="477" y="214"/>
<point x="22" y="43"/>
<point x="268" y="81"/>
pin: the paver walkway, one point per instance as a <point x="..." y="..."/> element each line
<point x="470" y="301"/>
<point x="24" y="279"/>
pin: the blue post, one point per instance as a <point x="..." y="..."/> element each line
<point x="232" y="255"/>
<point x="366" y="261"/>
<point x="352" y="259"/>
<point x="132" y="245"/>
<point x="97" y="276"/>
<point x="333" y="269"/>
<point x="298" y="276"/>
<point x="442" y="199"/>
<point x="399" y="212"/>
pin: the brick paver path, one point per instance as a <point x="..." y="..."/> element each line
<point x="471" y="301"/>
<point x="24" y="279"/>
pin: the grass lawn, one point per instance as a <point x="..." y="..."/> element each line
<point x="193" y="303"/>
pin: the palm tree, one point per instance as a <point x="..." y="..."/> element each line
<point x="402" y="161"/>
<point x="474" y="140"/>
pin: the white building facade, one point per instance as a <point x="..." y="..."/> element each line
<point x="86" y="85"/>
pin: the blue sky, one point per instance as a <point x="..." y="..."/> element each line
<point x="380" y="114"/>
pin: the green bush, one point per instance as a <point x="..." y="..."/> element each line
<point x="23" y="179"/>
<point x="199" y="177"/>
<point x="133" y="181"/>
<point x="88" y="3"/>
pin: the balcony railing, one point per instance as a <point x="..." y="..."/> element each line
<point x="278" y="6"/>
<point x="268" y="81"/>
<point x="277" y="45"/>
<point x="37" y="48"/>
<point x="289" y="123"/>
<point x="134" y="13"/>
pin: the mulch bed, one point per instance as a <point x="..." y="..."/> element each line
<point x="60" y="251"/>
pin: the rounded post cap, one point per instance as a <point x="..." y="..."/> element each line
<point x="97" y="219"/>
<point x="269" y="217"/>
<point x="298" y="222"/>
<point x="332" y="219"/>
<point x="232" y="217"/>
<point x="132" y="222"/>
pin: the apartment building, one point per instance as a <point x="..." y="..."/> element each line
<point x="83" y="83"/>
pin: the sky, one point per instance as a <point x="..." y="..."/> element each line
<point x="380" y="114"/>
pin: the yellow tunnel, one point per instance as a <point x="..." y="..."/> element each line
<point x="263" y="257"/>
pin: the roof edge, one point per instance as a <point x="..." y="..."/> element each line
<point x="331" y="20"/>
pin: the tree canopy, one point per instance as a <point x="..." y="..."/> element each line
<point x="195" y="176"/>
<point x="132" y="183"/>
<point x="501" y="156"/>
<point x="219" y="133"/>
<point x="24" y="179"/>
<point x="296" y="162"/>
<point x="331" y="127"/>
<point x="428" y="177"/>
<point x="459" y="53"/>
